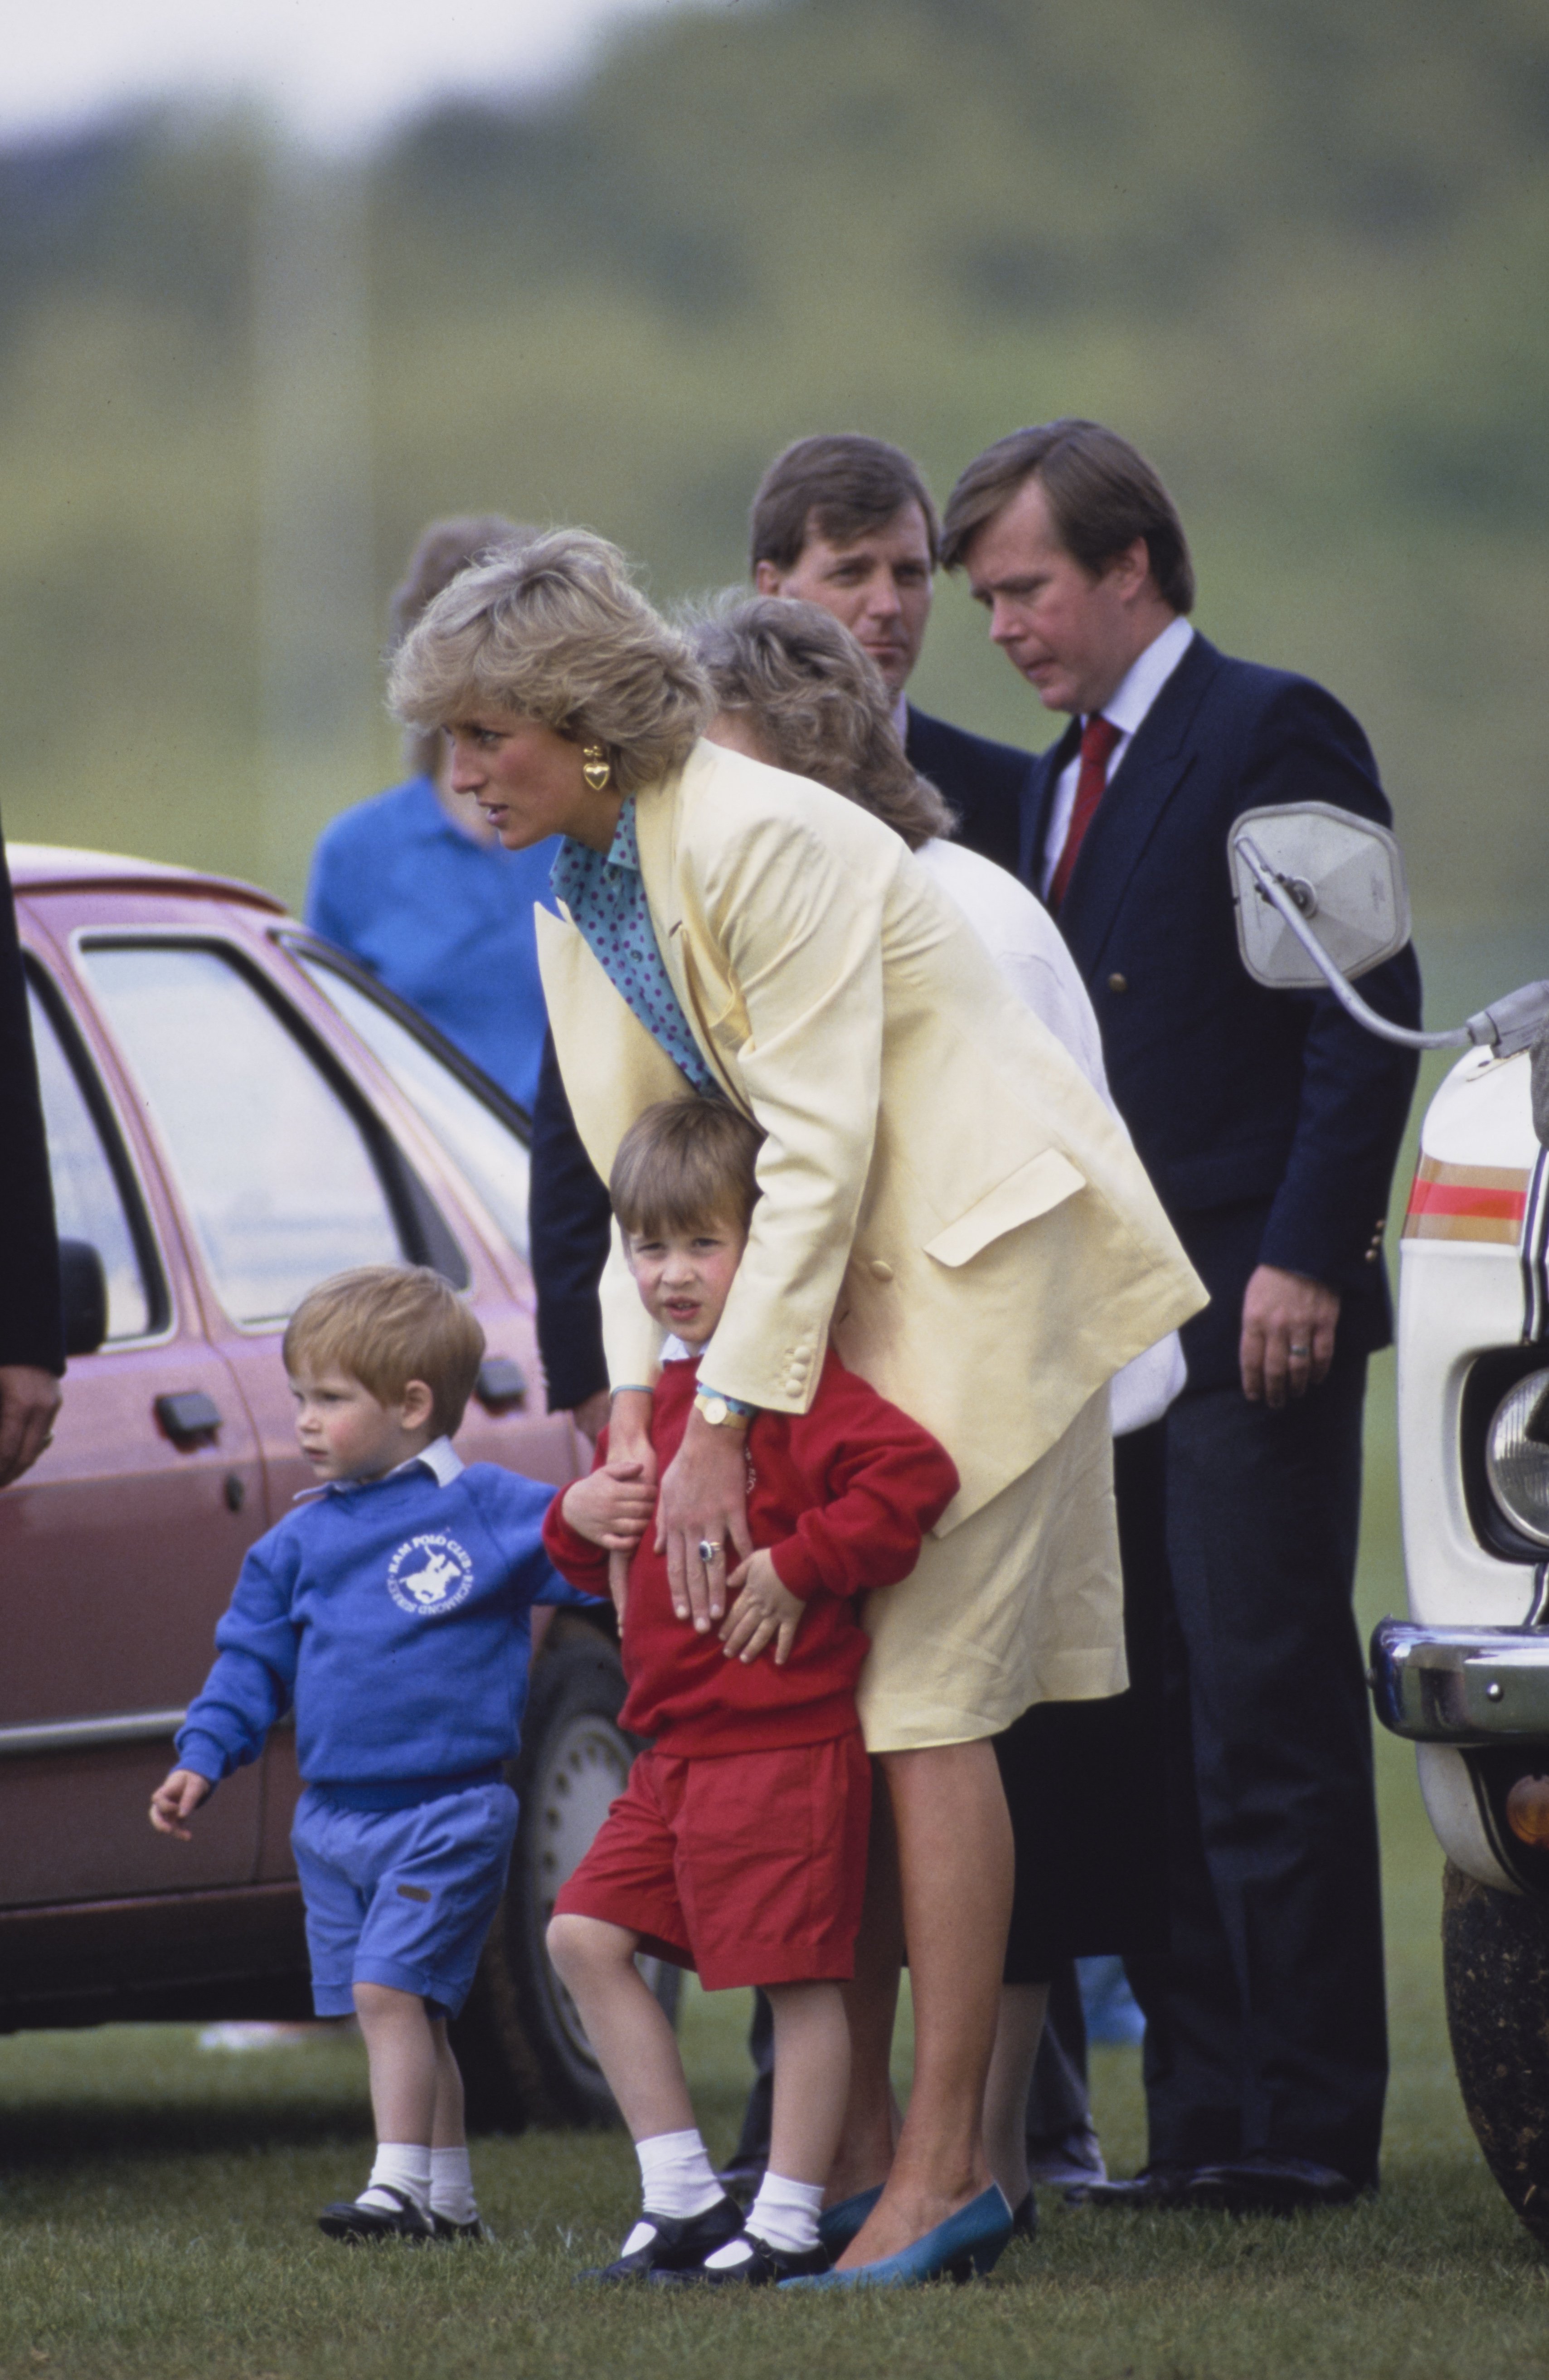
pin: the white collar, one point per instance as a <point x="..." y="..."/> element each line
<point x="1146" y="676"/>
<point x="674" y="1351"/>
<point x="901" y="718"/>
<point x="440" y="1458"/>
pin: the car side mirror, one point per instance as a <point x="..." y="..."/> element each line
<point x="1344" y="875"/>
<point x="1319" y="897"/>
<point x="83" y="1295"/>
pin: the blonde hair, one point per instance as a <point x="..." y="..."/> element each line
<point x="444" y="550"/>
<point x="819" y="705"/>
<point x="386" y="1325"/>
<point x="683" y="1162"/>
<point x="556" y="632"/>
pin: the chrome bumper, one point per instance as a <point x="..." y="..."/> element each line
<point x="1460" y="1685"/>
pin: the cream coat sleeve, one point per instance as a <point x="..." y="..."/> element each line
<point x="801" y="937"/>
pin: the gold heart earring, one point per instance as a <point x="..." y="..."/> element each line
<point x="596" y="767"/>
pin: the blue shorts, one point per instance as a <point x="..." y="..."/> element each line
<point x="401" y="1897"/>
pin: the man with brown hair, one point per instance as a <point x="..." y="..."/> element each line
<point x="1269" y="1124"/>
<point x="847" y="522"/>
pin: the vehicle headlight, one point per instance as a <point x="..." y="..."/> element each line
<point x="1517" y="1456"/>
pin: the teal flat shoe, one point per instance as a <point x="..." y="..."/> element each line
<point x="968" y="2242"/>
<point x="837" y="2224"/>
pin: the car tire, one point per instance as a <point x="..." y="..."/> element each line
<point x="522" y="2048"/>
<point x="1495" y="1962"/>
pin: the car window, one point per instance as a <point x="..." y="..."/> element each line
<point x="87" y="1199"/>
<point x="477" y="1140"/>
<point x="275" y="1172"/>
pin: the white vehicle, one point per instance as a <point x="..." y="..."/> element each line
<point x="1465" y="1678"/>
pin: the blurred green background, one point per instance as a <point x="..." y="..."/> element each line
<point x="1296" y="250"/>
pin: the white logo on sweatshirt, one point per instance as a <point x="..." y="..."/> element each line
<point x="430" y="1575"/>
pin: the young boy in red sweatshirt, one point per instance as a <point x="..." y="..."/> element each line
<point x="739" y="1847"/>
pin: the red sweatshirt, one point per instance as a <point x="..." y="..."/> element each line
<point x="840" y="1495"/>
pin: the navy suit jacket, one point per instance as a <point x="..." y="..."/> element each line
<point x="1269" y="1121"/>
<point x="987" y="785"/>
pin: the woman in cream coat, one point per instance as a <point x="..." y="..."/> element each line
<point x="941" y="1191"/>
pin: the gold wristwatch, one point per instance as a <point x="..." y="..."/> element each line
<point x="722" y="1412"/>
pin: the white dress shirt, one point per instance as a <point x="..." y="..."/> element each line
<point x="1134" y="696"/>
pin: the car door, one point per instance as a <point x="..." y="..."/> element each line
<point x="120" y="1550"/>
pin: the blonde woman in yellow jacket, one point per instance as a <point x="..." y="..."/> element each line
<point x="942" y="1194"/>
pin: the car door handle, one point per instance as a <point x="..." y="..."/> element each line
<point x="188" y="1414"/>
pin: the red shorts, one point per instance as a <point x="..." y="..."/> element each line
<point x="749" y="1867"/>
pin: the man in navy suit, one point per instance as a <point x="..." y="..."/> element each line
<point x="1270" y="1124"/>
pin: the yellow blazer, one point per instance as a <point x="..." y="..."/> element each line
<point x="941" y="1186"/>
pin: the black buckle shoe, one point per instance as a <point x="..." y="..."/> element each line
<point x="675" y="2243"/>
<point x="347" y="2219"/>
<point x="445" y="2228"/>
<point x="761" y="2266"/>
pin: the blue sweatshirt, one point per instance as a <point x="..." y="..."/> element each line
<point x="394" y="1614"/>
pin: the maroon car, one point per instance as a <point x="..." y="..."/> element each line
<point x="234" y="1110"/>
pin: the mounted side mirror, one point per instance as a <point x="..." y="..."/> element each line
<point x="83" y="1294"/>
<point x="1344" y="876"/>
<point x="1320" y="896"/>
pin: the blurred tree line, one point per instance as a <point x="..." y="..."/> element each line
<point x="1296" y="250"/>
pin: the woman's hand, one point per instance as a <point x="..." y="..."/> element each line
<point x="704" y="1500"/>
<point x="765" y="1612"/>
<point x="175" y="1798"/>
<point x="611" y="1507"/>
<point x="629" y="1440"/>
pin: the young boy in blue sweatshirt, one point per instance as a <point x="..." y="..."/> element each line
<point x="392" y="1608"/>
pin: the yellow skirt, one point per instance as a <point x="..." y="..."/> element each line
<point x="1021" y="1604"/>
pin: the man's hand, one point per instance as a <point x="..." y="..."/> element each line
<point x="176" y="1798"/>
<point x="1288" y="1335"/>
<point x="611" y="1507"/>
<point x="764" y="1611"/>
<point x="29" y="1400"/>
<point x="704" y="1500"/>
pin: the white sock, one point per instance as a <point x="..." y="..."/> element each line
<point x="784" y="2215"/>
<point x="452" y="2186"/>
<point x="402" y="2165"/>
<point x="676" y="2176"/>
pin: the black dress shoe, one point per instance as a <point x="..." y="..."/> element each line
<point x="1025" y="2219"/>
<point x="674" y="2243"/>
<point x="348" y="2219"/>
<point x="1154" y="2185"/>
<point x="759" y="2268"/>
<point x="1263" y="2185"/>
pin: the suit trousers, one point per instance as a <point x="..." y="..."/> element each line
<point x="1266" y="2021"/>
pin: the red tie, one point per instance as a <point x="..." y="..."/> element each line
<point x="1097" y="739"/>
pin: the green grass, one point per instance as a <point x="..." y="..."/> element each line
<point x="156" y="2205"/>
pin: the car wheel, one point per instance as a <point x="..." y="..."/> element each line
<point x="522" y="2047"/>
<point x="1495" y="1961"/>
